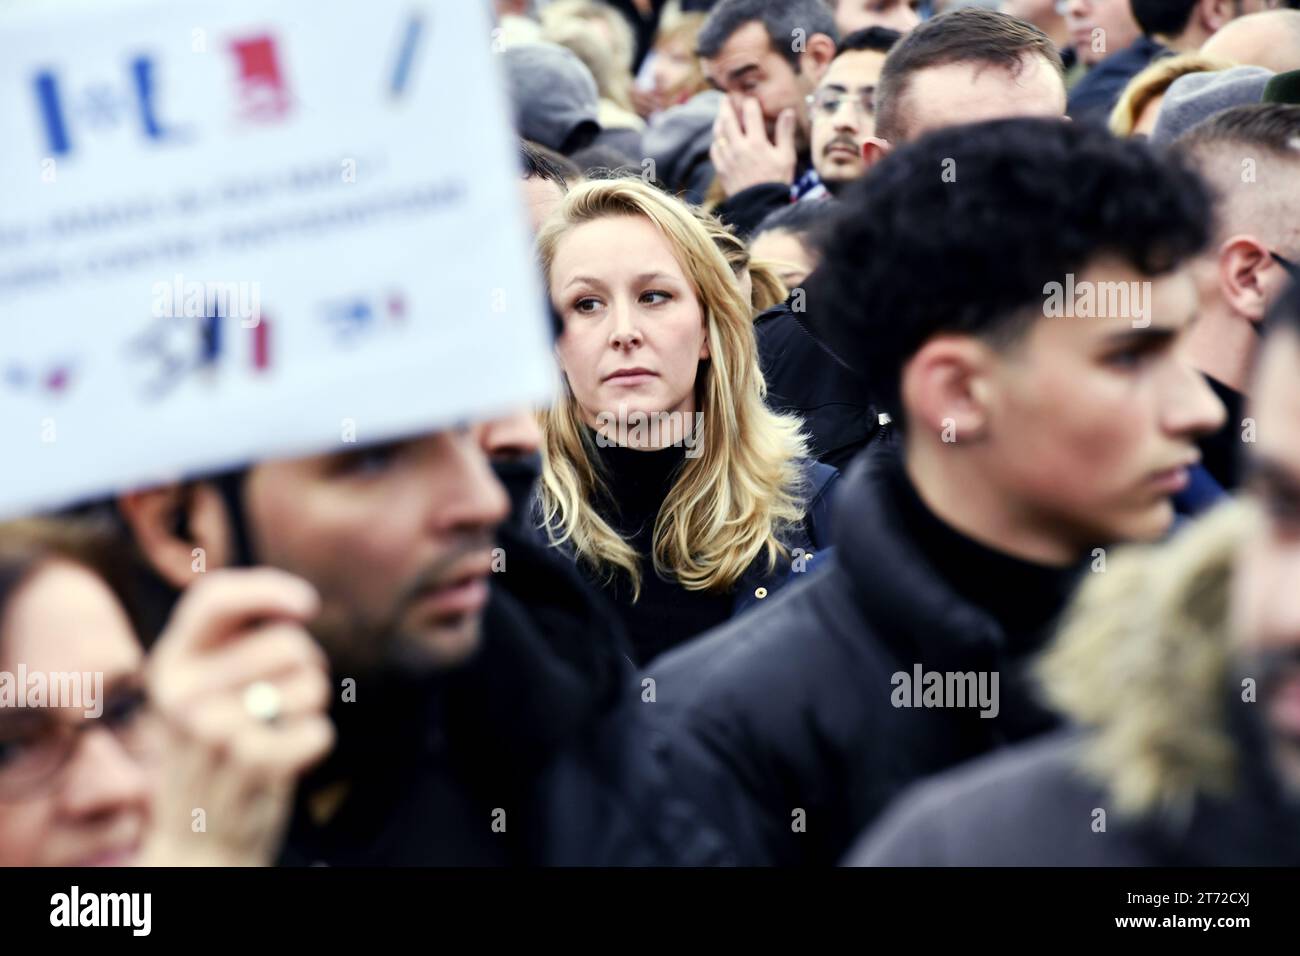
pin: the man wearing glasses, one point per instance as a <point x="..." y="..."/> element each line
<point x="842" y="110"/>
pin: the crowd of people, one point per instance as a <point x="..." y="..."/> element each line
<point x="921" y="486"/>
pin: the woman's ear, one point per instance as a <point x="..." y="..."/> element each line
<point x="182" y="529"/>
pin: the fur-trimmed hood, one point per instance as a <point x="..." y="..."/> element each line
<point x="1141" y="664"/>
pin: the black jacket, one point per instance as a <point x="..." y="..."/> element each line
<point x="782" y="724"/>
<point x="745" y="210"/>
<point x="808" y="545"/>
<point x="1168" y="762"/>
<point x="1094" y="96"/>
<point x="541" y="730"/>
<point x="804" y="379"/>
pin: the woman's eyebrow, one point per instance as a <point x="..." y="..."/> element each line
<point x="640" y="279"/>
<point x="584" y="280"/>
<point x="654" y="277"/>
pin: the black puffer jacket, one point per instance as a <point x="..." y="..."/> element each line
<point x="804" y="379"/>
<point x="1167" y="765"/>
<point x="782" y="724"/>
<point x="543" y="731"/>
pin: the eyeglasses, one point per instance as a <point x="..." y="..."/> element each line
<point x="35" y="747"/>
<point x="826" y="103"/>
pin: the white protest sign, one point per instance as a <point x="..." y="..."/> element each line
<point x="236" y="230"/>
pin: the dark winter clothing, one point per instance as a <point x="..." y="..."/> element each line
<point x="1169" y="766"/>
<point x="678" y="140"/>
<point x="804" y="379"/>
<point x="1217" y="474"/>
<point x="747" y="208"/>
<point x="667" y="614"/>
<point x="1221" y="450"/>
<point x="784" y="726"/>
<point x="544" y="723"/>
<point x="1094" y="96"/>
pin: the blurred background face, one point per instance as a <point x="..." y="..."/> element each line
<point x="1092" y="422"/>
<point x="748" y="66"/>
<point x="853" y="15"/>
<point x="1266" y="584"/>
<point x="675" y="70"/>
<point x="843" y="115"/>
<point x="74" y="790"/>
<point x="787" y="253"/>
<point x="957" y="93"/>
<point x="1114" y="18"/>
<point x="634" y="331"/>
<point x="397" y="539"/>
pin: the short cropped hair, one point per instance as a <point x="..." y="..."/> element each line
<point x="878" y="39"/>
<point x="912" y="253"/>
<point x="965" y="35"/>
<point x="780" y="18"/>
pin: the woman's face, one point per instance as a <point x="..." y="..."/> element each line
<point x="634" y="330"/>
<point x="65" y="799"/>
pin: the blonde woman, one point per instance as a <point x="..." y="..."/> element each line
<point x="663" y="473"/>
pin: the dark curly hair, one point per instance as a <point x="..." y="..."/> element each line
<point x="961" y="230"/>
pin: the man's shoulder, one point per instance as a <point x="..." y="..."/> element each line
<point x="1028" y="805"/>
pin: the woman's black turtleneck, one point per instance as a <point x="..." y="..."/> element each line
<point x="665" y="614"/>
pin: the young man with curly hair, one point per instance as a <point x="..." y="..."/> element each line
<point x="1038" y="424"/>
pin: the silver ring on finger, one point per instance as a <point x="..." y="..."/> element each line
<point x="264" y="702"/>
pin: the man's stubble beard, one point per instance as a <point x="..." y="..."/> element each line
<point x="358" y="646"/>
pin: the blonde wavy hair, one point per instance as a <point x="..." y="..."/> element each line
<point x="735" y="500"/>
<point x="587" y="28"/>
